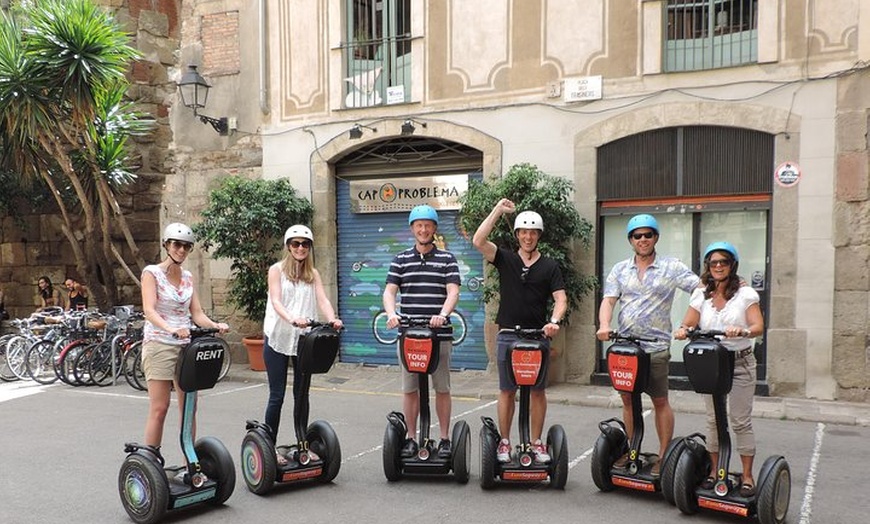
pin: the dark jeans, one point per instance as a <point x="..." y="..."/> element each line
<point x="276" y="371"/>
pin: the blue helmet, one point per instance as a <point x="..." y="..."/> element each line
<point x="722" y="246"/>
<point x="423" y="212"/>
<point x="639" y="221"/>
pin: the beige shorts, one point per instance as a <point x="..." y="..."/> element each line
<point x="440" y="378"/>
<point x="657" y="387"/>
<point x="159" y="360"/>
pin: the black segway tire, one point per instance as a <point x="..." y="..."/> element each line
<point x="669" y="468"/>
<point x="774" y="494"/>
<point x="686" y="480"/>
<point x="144" y="489"/>
<point x="217" y="464"/>
<point x="392" y="453"/>
<point x="604" y="454"/>
<point x="461" y="452"/>
<point x="259" y="463"/>
<point x="488" y="450"/>
<point x="323" y="441"/>
<point x="557" y="443"/>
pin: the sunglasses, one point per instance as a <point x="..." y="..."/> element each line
<point x="524" y="274"/>
<point x="177" y="244"/>
<point x="719" y="262"/>
<point x="638" y="236"/>
<point x="296" y="243"/>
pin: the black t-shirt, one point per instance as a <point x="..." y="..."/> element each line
<point x="524" y="299"/>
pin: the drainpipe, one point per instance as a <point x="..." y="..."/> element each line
<point x="264" y="93"/>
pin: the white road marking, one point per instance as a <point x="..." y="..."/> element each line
<point x="806" y="507"/>
<point x="454" y="417"/>
<point x="588" y="452"/>
<point x="19" y="389"/>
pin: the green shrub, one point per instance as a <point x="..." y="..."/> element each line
<point x="533" y="190"/>
<point x="245" y="221"/>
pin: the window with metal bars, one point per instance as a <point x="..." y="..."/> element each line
<point x="686" y="161"/>
<point x="708" y="34"/>
<point x="377" y="52"/>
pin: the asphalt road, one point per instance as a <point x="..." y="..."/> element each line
<point x="61" y="449"/>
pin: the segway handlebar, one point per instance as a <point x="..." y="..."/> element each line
<point x="617" y="336"/>
<point x="196" y="331"/>
<point x="524" y="332"/>
<point x="695" y="333"/>
<point x="313" y="323"/>
<point x="406" y="321"/>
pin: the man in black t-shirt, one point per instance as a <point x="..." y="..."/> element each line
<point x="527" y="282"/>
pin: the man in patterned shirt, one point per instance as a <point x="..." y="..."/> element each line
<point x="428" y="280"/>
<point x="644" y="286"/>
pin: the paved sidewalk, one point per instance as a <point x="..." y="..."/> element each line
<point x="484" y="385"/>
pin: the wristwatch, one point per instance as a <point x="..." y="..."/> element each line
<point x="555" y="321"/>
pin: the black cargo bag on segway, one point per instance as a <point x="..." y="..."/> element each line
<point x="199" y="365"/>
<point x="317" y="349"/>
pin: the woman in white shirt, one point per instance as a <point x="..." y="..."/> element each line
<point x="727" y="304"/>
<point x="295" y="293"/>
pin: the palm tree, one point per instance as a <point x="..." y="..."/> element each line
<point x="63" y="120"/>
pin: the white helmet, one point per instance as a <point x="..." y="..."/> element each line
<point x="178" y="231"/>
<point x="298" y="231"/>
<point x="528" y="220"/>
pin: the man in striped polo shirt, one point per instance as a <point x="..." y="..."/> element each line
<point x="428" y="280"/>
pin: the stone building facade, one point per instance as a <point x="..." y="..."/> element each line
<point x="565" y="86"/>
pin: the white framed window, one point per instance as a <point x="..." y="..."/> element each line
<point x="377" y="52"/>
<point x="709" y="34"/>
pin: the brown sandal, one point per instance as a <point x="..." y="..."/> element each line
<point x="747" y="490"/>
<point x="282" y="460"/>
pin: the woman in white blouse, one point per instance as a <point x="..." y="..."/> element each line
<point x="727" y="304"/>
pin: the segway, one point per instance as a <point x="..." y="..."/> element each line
<point x="147" y="487"/>
<point x="316" y="352"/>
<point x="529" y="358"/>
<point x="419" y="349"/>
<point x="629" y="367"/>
<point x="710" y="368"/>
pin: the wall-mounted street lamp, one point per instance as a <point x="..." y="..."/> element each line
<point x="356" y="131"/>
<point x="408" y="127"/>
<point x="194" y="94"/>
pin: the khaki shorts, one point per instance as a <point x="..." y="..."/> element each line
<point x="159" y="360"/>
<point x="440" y="378"/>
<point x="657" y="387"/>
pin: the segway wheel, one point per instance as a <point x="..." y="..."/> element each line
<point x="392" y="453"/>
<point x="323" y="441"/>
<point x="557" y="443"/>
<point x="461" y="452"/>
<point x="773" y="498"/>
<point x="217" y="464"/>
<point x="669" y="468"/>
<point x="488" y="450"/>
<point x="604" y="454"/>
<point x="259" y="464"/>
<point x="144" y="489"/>
<point x="687" y="476"/>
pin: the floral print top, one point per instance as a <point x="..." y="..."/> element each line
<point x="173" y="304"/>
<point x="645" y="305"/>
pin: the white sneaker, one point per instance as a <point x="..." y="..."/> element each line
<point x="540" y="451"/>
<point x="503" y="454"/>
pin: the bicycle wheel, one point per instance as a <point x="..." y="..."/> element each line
<point x="39" y="366"/>
<point x="100" y="364"/>
<point x="16" y="356"/>
<point x="67" y="360"/>
<point x="136" y="374"/>
<point x="82" y="364"/>
<point x="225" y="364"/>
<point x="6" y="373"/>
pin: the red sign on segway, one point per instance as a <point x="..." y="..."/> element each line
<point x="526" y="366"/>
<point x="417" y="353"/>
<point x="623" y="371"/>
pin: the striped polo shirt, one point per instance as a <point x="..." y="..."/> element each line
<point x="423" y="279"/>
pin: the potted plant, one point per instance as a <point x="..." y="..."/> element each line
<point x="244" y="221"/>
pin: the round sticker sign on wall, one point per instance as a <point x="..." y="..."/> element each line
<point x="787" y="174"/>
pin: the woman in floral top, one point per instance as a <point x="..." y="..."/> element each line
<point x="169" y="302"/>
